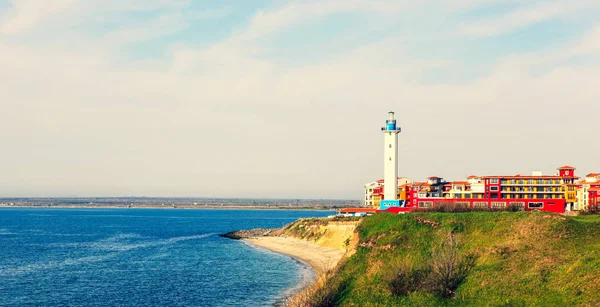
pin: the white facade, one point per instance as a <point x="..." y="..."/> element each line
<point x="368" y="199"/>
<point x="390" y="166"/>
<point x="582" y="198"/>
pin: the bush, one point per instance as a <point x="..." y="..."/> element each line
<point x="445" y="271"/>
<point x="406" y="279"/>
<point x="449" y="268"/>
<point x="592" y="209"/>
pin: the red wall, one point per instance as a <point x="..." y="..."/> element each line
<point x="549" y="205"/>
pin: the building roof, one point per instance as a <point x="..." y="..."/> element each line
<point x="461" y="182"/>
<point x="566" y="167"/>
<point x="419" y="184"/>
<point x="593" y="175"/>
<point x="531" y="177"/>
<point x="473" y="177"/>
<point x="434" y="177"/>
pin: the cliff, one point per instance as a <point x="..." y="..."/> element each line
<point x="337" y="234"/>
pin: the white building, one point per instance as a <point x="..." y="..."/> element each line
<point x="583" y="193"/>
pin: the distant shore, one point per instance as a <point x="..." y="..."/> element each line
<point x="225" y="207"/>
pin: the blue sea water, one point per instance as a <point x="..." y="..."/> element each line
<point x="141" y="257"/>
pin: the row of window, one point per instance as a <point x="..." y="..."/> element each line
<point x="532" y="181"/>
<point x="521" y="189"/>
<point x="495" y="205"/>
<point x="509" y="196"/>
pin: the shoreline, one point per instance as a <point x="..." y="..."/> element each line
<point x="308" y="275"/>
<point x="320" y="259"/>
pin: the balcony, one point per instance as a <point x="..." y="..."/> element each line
<point x="533" y="192"/>
<point x="532" y="184"/>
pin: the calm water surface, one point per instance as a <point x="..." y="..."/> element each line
<point x="141" y="257"/>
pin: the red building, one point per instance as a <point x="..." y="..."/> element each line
<point x="555" y="193"/>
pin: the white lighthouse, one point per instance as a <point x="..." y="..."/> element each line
<point x="390" y="165"/>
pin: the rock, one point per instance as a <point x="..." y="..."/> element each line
<point x="243" y="234"/>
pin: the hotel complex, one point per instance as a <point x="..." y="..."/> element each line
<point x="561" y="192"/>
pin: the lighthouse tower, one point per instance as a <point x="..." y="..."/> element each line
<point x="390" y="166"/>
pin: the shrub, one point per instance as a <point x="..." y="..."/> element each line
<point x="449" y="268"/>
<point x="445" y="271"/>
<point x="405" y="279"/>
<point x="592" y="209"/>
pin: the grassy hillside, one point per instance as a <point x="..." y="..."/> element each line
<point x="470" y="259"/>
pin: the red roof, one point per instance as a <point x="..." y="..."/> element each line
<point x="566" y="167"/>
<point x="593" y="175"/>
<point x="434" y="177"/>
<point x="358" y="210"/>
<point x="419" y="184"/>
<point x="473" y="177"/>
<point x="461" y="182"/>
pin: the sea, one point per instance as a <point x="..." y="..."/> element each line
<point x="143" y="257"/>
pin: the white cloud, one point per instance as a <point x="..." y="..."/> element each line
<point x="526" y="16"/>
<point x="27" y="13"/>
<point x="274" y="20"/>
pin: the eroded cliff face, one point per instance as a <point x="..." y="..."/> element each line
<point x="337" y="234"/>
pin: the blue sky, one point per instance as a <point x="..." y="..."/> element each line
<point x="191" y="98"/>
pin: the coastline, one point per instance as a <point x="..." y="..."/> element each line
<point x="321" y="259"/>
<point x="307" y="272"/>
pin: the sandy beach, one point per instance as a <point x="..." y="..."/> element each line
<point x="320" y="258"/>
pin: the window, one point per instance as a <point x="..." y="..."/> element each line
<point x="536" y="205"/>
<point x="390" y="145"/>
<point x="493" y="180"/>
<point x="517" y="204"/>
<point x="462" y="204"/>
<point x="493" y="188"/>
<point x="425" y="204"/>
<point x="498" y="205"/>
<point x="479" y="204"/>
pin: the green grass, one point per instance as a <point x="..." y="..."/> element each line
<point x="522" y="259"/>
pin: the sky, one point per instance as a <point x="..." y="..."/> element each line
<point x="286" y="98"/>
